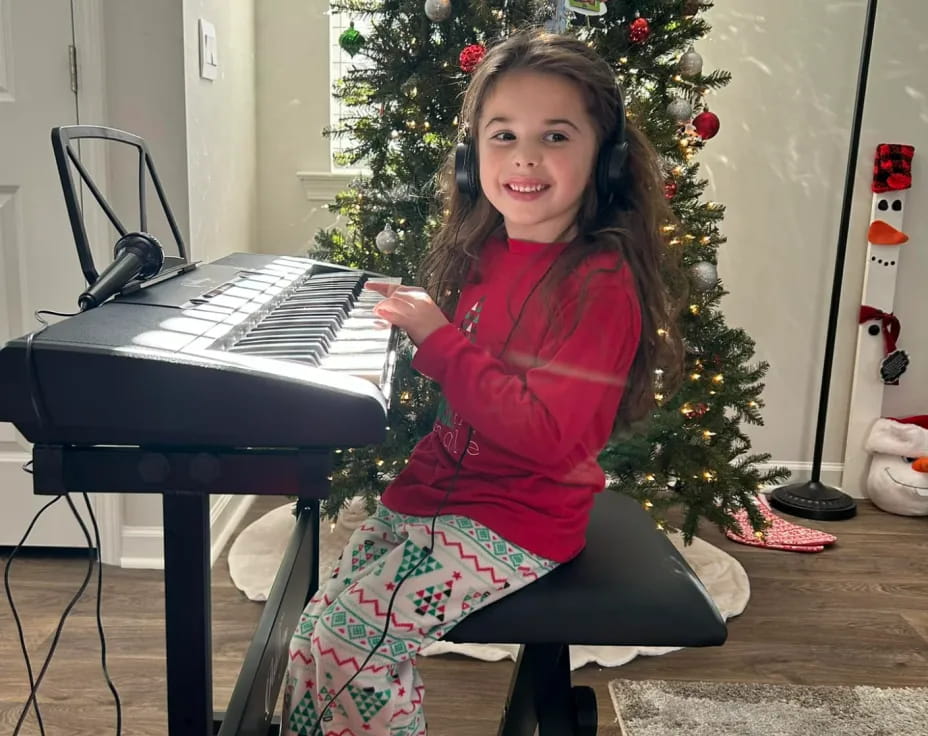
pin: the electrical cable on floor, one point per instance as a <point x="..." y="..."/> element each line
<point x="36" y="398"/>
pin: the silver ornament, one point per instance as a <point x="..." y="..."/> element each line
<point x="705" y="275"/>
<point x="437" y="10"/>
<point x="690" y="63"/>
<point x="680" y="109"/>
<point x="386" y="240"/>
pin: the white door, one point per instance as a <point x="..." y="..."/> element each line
<point x="38" y="261"/>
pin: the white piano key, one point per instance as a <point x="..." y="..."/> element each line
<point x="359" y="347"/>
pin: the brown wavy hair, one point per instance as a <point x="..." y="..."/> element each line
<point x="630" y="227"/>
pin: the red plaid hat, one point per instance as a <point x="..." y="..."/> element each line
<point x="892" y="169"/>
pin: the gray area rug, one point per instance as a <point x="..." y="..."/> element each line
<point x="665" y="708"/>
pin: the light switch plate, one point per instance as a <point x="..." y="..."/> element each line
<point x="209" y="51"/>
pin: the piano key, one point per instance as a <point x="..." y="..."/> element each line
<point x="358" y="347"/>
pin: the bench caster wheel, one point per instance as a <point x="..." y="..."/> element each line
<point x="583" y="710"/>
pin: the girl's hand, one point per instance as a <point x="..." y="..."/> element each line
<point x="408" y="307"/>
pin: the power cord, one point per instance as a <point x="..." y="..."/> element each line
<point x="35" y="396"/>
<point x="9" y="595"/>
<point x="32" y="700"/>
<point x="92" y="556"/>
<point x="426" y="551"/>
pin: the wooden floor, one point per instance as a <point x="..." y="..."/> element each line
<point x="857" y="613"/>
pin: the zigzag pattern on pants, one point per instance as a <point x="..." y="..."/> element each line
<point x="394" y="621"/>
<point x="330" y="652"/>
<point x="470" y="557"/>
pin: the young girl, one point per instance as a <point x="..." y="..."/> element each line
<point x="557" y="286"/>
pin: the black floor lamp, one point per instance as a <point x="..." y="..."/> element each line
<point x="812" y="499"/>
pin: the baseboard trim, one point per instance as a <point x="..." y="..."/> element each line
<point x="831" y="474"/>
<point x="142" y="546"/>
<point x="224" y="518"/>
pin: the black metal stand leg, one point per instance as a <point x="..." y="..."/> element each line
<point x="254" y="700"/>
<point x="310" y="507"/>
<point x="187" y="614"/>
<point x="553" y="691"/>
<point x="539" y="693"/>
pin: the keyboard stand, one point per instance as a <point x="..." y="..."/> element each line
<point x="192" y="474"/>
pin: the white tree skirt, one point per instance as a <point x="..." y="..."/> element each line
<point x="256" y="553"/>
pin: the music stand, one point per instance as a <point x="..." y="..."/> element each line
<point x="61" y="145"/>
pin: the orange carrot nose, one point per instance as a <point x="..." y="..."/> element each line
<point x="882" y="233"/>
<point x="921" y="464"/>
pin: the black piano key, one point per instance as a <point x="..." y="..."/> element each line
<point x="268" y="338"/>
<point x="265" y="338"/>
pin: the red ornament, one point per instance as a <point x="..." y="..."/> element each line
<point x="706" y="124"/>
<point x="670" y="188"/>
<point x="639" y="30"/>
<point x="470" y="57"/>
<point x="695" y="411"/>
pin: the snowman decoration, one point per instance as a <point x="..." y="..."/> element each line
<point x="898" y="478"/>
<point x="892" y="178"/>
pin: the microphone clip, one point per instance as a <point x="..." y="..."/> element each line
<point x="136" y="256"/>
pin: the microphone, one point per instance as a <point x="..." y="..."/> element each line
<point x="135" y="255"/>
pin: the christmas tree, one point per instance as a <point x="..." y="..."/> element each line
<point x="404" y="101"/>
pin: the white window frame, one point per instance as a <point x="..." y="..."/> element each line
<point x="339" y="62"/>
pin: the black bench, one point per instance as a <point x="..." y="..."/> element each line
<point x="629" y="587"/>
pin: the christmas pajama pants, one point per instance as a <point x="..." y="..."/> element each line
<point x="469" y="567"/>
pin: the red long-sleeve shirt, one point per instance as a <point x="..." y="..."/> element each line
<point x="540" y="414"/>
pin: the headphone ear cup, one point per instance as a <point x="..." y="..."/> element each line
<point x="465" y="169"/>
<point x="147" y="247"/>
<point x="610" y="170"/>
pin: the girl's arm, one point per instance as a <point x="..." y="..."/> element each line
<point x="540" y="413"/>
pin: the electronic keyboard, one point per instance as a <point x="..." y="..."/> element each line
<point x="249" y="351"/>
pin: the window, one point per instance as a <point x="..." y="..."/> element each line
<point x="339" y="63"/>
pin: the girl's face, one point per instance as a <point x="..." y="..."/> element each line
<point x="536" y="146"/>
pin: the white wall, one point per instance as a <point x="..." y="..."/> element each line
<point x="778" y="164"/>
<point x="221" y="136"/>
<point x="202" y="138"/>
<point x="144" y="54"/>
<point x="292" y="38"/>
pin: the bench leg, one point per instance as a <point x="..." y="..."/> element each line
<point x="539" y="693"/>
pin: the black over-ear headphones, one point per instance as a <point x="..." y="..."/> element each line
<point x="610" y="163"/>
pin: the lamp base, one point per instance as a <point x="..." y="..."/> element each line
<point x="813" y="500"/>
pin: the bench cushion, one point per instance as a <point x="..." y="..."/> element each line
<point x="629" y="587"/>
